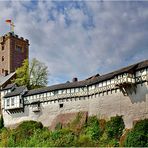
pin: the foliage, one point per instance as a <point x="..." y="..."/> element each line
<point x="77" y="124"/>
<point x="22" y="74"/>
<point x="138" y="136"/>
<point x="58" y="126"/>
<point x="84" y="141"/>
<point x="25" y="130"/>
<point x="4" y="135"/>
<point x="38" y="74"/>
<point x="92" y="128"/>
<point x="33" y="75"/>
<point x="63" y="137"/>
<point x="94" y="133"/>
<point x="114" y="127"/>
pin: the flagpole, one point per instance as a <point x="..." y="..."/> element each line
<point x="12" y="27"/>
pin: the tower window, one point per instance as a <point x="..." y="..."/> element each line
<point x="2" y="58"/>
<point x="3" y="70"/>
<point x="19" y="48"/>
<point x="2" y="47"/>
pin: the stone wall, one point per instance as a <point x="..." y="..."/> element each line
<point x="132" y="107"/>
<point x="10" y="57"/>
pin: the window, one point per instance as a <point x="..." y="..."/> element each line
<point x="20" y="101"/>
<point x="68" y="90"/>
<point x="93" y="86"/>
<point x="3" y="70"/>
<point x="2" y="58"/>
<point x="2" y="47"/>
<point x="48" y="94"/>
<point x="72" y="90"/>
<point x="59" y="91"/>
<point x="8" y="102"/>
<point x="89" y="88"/>
<point x="61" y="105"/>
<point x="55" y="92"/>
<point x="19" y="48"/>
<point x="12" y="101"/>
<point x="77" y="90"/>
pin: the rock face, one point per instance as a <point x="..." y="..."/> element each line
<point x="65" y="119"/>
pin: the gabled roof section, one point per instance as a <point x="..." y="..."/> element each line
<point x="4" y="79"/>
<point x="17" y="91"/>
<point x="91" y="80"/>
<point x="9" y="86"/>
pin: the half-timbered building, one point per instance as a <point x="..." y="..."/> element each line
<point x="121" y="92"/>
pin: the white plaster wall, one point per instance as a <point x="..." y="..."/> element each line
<point x="132" y="107"/>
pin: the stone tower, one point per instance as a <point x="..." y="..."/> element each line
<point x="13" y="51"/>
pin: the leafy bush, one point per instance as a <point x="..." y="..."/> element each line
<point x="58" y="126"/>
<point x="63" y="138"/>
<point x="92" y="128"/>
<point x="4" y="137"/>
<point x="77" y="124"/>
<point x="93" y="133"/>
<point x="24" y="131"/>
<point x="40" y="137"/>
<point x="84" y="141"/>
<point x="114" y="127"/>
<point x="138" y="136"/>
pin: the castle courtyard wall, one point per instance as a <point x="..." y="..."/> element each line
<point x="132" y="107"/>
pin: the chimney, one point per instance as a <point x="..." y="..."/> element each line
<point x="74" y="79"/>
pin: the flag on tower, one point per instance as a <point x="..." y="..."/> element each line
<point x="8" y="21"/>
<point x="11" y="25"/>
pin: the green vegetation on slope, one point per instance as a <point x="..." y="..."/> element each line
<point x="94" y="132"/>
<point x="138" y="136"/>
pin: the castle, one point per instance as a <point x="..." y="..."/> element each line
<point x="121" y="92"/>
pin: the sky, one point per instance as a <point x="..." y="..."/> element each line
<point x="80" y="38"/>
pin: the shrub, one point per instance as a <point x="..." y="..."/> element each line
<point x="84" y="141"/>
<point x="4" y="135"/>
<point x="63" y="138"/>
<point x="25" y="130"/>
<point x="138" y="136"/>
<point x="114" y="127"/>
<point x="58" y="126"/>
<point x="77" y="124"/>
<point x="92" y="128"/>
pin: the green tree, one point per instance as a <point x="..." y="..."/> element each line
<point x="33" y="76"/>
<point x="38" y="74"/>
<point x="22" y="74"/>
<point x="138" y="136"/>
<point x="93" y="128"/>
<point x="114" y="127"/>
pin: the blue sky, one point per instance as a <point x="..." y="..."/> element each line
<point x="80" y="38"/>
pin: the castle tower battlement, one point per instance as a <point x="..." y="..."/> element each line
<point x="13" y="51"/>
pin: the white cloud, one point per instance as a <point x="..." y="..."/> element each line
<point x="115" y="33"/>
